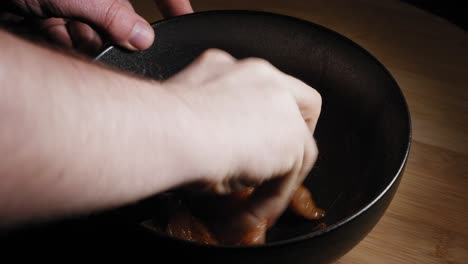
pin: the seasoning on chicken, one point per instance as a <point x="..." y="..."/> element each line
<point x="183" y="225"/>
<point x="303" y="204"/>
<point x="227" y="223"/>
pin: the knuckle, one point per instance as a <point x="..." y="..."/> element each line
<point x="112" y="14"/>
<point x="267" y="77"/>
<point x="216" y="55"/>
<point x="259" y="65"/>
<point x="315" y="98"/>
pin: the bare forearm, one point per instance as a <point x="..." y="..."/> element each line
<point x="76" y="137"/>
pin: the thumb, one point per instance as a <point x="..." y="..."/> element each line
<point x="114" y="18"/>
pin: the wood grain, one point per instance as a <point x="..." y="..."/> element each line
<point x="428" y="220"/>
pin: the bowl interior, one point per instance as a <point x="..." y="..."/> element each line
<point x="363" y="132"/>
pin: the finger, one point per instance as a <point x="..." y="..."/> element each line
<point x="171" y="8"/>
<point x="84" y="37"/>
<point x="308" y="100"/>
<point x="114" y="18"/>
<point x="209" y="65"/>
<point x="56" y="31"/>
<point x="271" y="199"/>
<point x="128" y="4"/>
<point x="310" y="158"/>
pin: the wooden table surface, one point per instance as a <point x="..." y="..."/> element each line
<point x="427" y="222"/>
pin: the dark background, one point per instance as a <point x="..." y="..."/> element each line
<point x="450" y="10"/>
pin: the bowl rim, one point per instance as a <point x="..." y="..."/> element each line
<point x="398" y="174"/>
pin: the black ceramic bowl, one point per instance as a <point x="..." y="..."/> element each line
<point x="363" y="133"/>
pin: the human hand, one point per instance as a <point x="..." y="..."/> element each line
<point x="87" y="25"/>
<point x="252" y="127"/>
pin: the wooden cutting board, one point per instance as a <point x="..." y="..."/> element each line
<point x="427" y="221"/>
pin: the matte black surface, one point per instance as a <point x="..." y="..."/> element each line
<point x="363" y="133"/>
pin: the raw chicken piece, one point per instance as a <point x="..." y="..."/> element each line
<point x="303" y="204"/>
<point x="229" y="224"/>
<point x="183" y="225"/>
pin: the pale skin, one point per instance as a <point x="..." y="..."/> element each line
<point x="76" y="137"/>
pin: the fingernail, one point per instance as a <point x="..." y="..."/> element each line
<point x="142" y="36"/>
